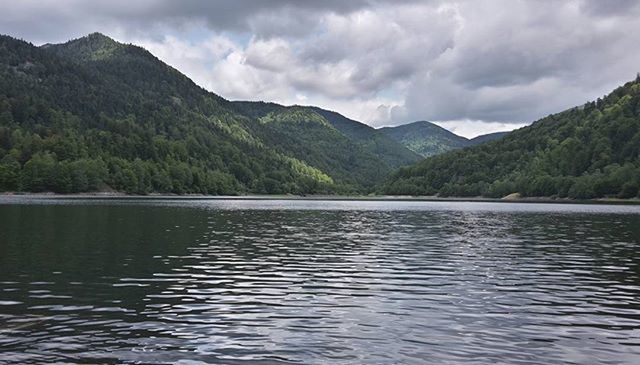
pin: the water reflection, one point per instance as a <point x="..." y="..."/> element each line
<point x="161" y="283"/>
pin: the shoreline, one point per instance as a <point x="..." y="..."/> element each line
<point x="379" y="198"/>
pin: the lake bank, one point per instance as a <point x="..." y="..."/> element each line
<point x="391" y="198"/>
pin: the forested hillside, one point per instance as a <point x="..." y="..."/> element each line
<point x="93" y="114"/>
<point x="428" y="139"/>
<point x="585" y="152"/>
<point x="354" y="153"/>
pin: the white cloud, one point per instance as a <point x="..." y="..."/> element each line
<point x="474" y="128"/>
<point x="265" y="70"/>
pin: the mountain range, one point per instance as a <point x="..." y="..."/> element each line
<point x="93" y="114"/>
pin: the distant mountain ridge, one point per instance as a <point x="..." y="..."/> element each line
<point x="429" y="139"/>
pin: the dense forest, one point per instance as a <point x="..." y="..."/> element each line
<point x="96" y="115"/>
<point x="585" y="152"/>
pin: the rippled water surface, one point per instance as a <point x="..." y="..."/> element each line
<point x="317" y="282"/>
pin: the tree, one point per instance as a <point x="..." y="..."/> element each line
<point x="38" y="174"/>
<point x="9" y="174"/>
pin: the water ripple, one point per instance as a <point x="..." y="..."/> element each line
<point x="196" y="283"/>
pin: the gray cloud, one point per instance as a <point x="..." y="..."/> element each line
<point x="519" y="61"/>
<point x="36" y="19"/>
<point x="381" y="61"/>
<point x="610" y="8"/>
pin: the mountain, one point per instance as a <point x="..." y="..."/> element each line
<point x="585" y="152"/>
<point x="353" y="152"/>
<point x="428" y="139"/>
<point x="94" y="114"/>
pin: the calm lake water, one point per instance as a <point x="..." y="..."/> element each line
<point x="317" y="282"/>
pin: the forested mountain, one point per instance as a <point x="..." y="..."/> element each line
<point x="585" y="152"/>
<point x="428" y="139"/>
<point x="93" y="114"/>
<point x="354" y="153"/>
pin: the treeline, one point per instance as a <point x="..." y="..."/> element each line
<point x="66" y="159"/>
<point x="43" y="172"/>
<point x="586" y="152"/>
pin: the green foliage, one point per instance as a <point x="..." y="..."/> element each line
<point x="9" y="174"/>
<point x="586" y="152"/>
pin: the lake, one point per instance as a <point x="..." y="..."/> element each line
<point x="317" y="282"/>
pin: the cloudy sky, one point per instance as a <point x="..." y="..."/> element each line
<point x="473" y="66"/>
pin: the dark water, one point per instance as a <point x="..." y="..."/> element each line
<point x="277" y="282"/>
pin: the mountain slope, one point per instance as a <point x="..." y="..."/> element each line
<point x="428" y="139"/>
<point x="92" y="114"/>
<point x="351" y="152"/>
<point x="585" y="152"/>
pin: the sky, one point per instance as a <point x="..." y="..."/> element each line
<point x="472" y="66"/>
